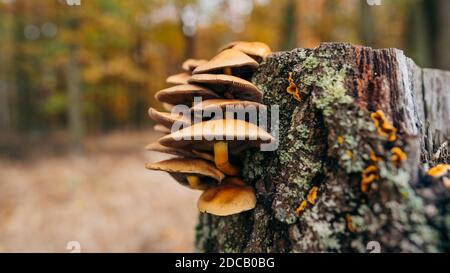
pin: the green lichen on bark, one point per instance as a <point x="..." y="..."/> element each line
<point x="310" y="154"/>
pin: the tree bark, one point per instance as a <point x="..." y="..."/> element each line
<point x="325" y="142"/>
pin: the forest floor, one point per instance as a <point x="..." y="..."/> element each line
<point x="106" y="200"/>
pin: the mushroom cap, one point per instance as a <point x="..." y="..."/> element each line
<point x="184" y="94"/>
<point x="239" y="134"/>
<point x="161" y="128"/>
<point x="254" y="49"/>
<point x="167" y="119"/>
<point x="179" y="168"/>
<point x="438" y="171"/>
<point x="227" y="199"/>
<point x="238" y="88"/>
<point x="231" y="58"/>
<point x="180" y="78"/>
<point x="190" y="64"/>
<point x="223" y="103"/>
<point x="167" y="106"/>
<point x="157" y="147"/>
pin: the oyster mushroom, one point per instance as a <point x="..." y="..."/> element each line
<point x="230" y="62"/>
<point x="219" y="136"/>
<point x="190" y="64"/>
<point x="222" y="104"/>
<point x="161" y="128"/>
<point x="168" y="119"/>
<point x="194" y="173"/>
<point x="231" y="87"/>
<point x="184" y="94"/>
<point x="257" y="50"/>
<point x="180" y="78"/>
<point x="156" y="147"/>
<point x="230" y="197"/>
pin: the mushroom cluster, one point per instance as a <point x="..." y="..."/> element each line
<point x="208" y="150"/>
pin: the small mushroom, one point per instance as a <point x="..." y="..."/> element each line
<point x="219" y="136"/>
<point x="384" y="127"/>
<point x="441" y="171"/>
<point x="180" y="78"/>
<point x="194" y="173"/>
<point x="168" y="119"/>
<point x="161" y="128"/>
<point x="230" y="86"/>
<point x="223" y="103"/>
<point x="156" y="147"/>
<point x="398" y="156"/>
<point x="229" y="61"/>
<point x="232" y="196"/>
<point x="184" y="94"/>
<point x="257" y="50"/>
<point x="190" y="64"/>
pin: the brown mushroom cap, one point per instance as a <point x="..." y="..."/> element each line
<point x="167" y="106"/>
<point x="190" y="64"/>
<point x="184" y="94"/>
<point x="257" y="50"/>
<point x="179" y="168"/>
<point x="234" y="86"/>
<point x="161" y="128"/>
<point x="227" y="199"/>
<point x="157" y="147"/>
<point x="167" y="119"/>
<point x="223" y="103"/>
<point x="229" y="58"/>
<point x="238" y="134"/>
<point x="180" y="78"/>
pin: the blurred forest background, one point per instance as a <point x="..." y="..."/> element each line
<point x="76" y="83"/>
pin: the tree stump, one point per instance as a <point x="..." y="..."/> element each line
<point x="326" y="140"/>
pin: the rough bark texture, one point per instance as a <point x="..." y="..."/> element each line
<point x="325" y="141"/>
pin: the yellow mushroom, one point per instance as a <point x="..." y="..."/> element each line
<point x="218" y="136"/>
<point x="398" y="156"/>
<point x="383" y="126"/>
<point x="194" y="173"/>
<point x="232" y="196"/>
<point x="301" y="207"/>
<point x="312" y="195"/>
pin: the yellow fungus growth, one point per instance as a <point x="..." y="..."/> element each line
<point x="301" y="207"/>
<point x="383" y="126"/>
<point x="398" y="155"/>
<point x="312" y="195"/>
<point x="349" y="153"/>
<point x="439" y="170"/>
<point x="349" y="220"/>
<point x="374" y="158"/>
<point x="296" y="96"/>
<point x="293" y="88"/>
<point x="340" y="140"/>
<point x="368" y="176"/>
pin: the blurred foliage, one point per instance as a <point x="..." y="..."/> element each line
<point x="125" y="49"/>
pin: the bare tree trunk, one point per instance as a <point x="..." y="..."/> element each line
<point x="7" y="88"/>
<point x="443" y="34"/>
<point x="326" y="140"/>
<point x="74" y="100"/>
<point x="289" y="25"/>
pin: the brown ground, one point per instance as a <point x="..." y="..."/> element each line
<point x="106" y="200"/>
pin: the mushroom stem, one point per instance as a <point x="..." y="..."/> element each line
<point x="227" y="71"/>
<point x="194" y="181"/>
<point x="221" y="158"/>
